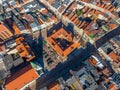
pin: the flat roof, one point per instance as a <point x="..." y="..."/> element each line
<point x="21" y="78"/>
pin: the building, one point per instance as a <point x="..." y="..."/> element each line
<point x="17" y="54"/>
<point x="54" y="86"/>
<point x="82" y="80"/>
<point x="3" y="70"/>
<point x="101" y="75"/>
<point x="112" y="87"/>
<point x="61" y="41"/>
<point x="95" y="22"/>
<point x="8" y="31"/>
<point x="23" y="49"/>
<point x="5" y="32"/>
<point x="12" y="61"/>
<point x="106" y="1"/>
<point x="21" y="79"/>
<point x="86" y="80"/>
<point x="115" y="57"/>
<point x="59" y="4"/>
<point x="18" y="46"/>
<point x="16" y="29"/>
<point x="116" y="79"/>
<point x="112" y="53"/>
<point x="2" y="48"/>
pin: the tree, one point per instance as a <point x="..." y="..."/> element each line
<point x="79" y="12"/>
<point x="92" y="35"/>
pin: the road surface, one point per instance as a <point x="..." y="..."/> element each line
<point x="107" y="37"/>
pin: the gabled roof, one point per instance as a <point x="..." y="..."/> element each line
<point x="21" y="78"/>
<point x="5" y="32"/>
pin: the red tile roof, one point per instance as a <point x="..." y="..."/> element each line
<point x="54" y="86"/>
<point x="95" y="31"/>
<point x="112" y="87"/>
<point x="21" y="78"/>
<point x="106" y="72"/>
<point x="24" y="49"/>
<point x="44" y="11"/>
<point x="112" y="26"/>
<point x="28" y="17"/>
<point x="114" y="56"/>
<point x="92" y="62"/>
<point x="51" y="1"/>
<point x="5" y="33"/>
<point x="62" y="33"/>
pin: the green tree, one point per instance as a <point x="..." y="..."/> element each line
<point x="79" y="12"/>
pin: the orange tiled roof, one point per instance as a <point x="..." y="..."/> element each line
<point x="25" y="1"/>
<point x="28" y="17"/>
<point x="51" y="1"/>
<point x="21" y="78"/>
<point x="75" y="16"/>
<point x="54" y="18"/>
<point x="106" y="0"/>
<point x="54" y="86"/>
<point x="16" y="29"/>
<point x="114" y="56"/>
<point x="99" y="4"/>
<point x="106" y="72"/>
<point x="44" y="11"/>
<point x="24" y="50"/>
<point x="40" y="21"/>
<point x="72" y="6"/>
<point x="107" y="80"/>
<point x="112" y="87"/>
<point x="92" y="62"/>
<point x="112" y="26"/>
<point x="70" y="15"/>
<point x="112" y="9"/>
<point x="106" y="6"/>
<point x="64" y="34"/>
<point x="5" y="32"/>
